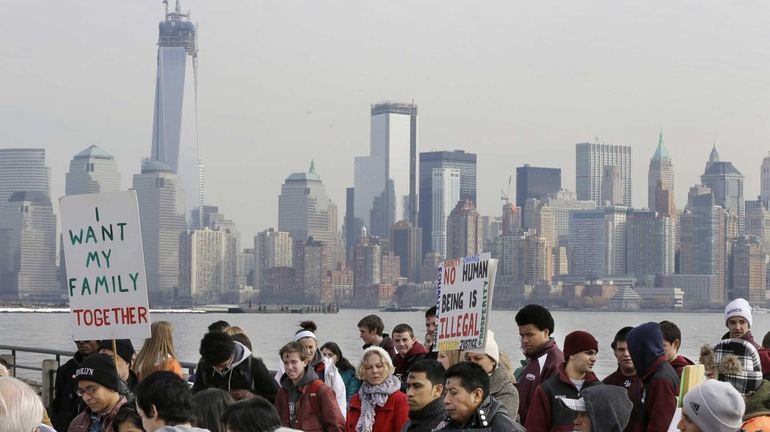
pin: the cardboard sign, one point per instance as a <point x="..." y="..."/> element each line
<point x="106" y="282"/>
<point x="463" y="301"/>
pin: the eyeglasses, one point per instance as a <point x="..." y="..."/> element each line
<point x="90" y="390"/>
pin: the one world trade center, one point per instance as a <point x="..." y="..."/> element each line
<point x="174" y="129"/>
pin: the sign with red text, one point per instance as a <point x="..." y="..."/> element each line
<point x="106" y="281"/>
<point x="464" y="300"/>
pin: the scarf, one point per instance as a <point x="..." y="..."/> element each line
<point x="372" y="397"/>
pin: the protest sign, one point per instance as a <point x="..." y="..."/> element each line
<point x="463" y="301"/>
<point x="106" y="281"/>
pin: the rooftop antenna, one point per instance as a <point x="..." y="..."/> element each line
<point x="178" y="9"/>
<point x="165" y="4"/>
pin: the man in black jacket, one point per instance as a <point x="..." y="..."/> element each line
<point x="229" y="366"/>
<point x="66" y="403"/>
<point x="424" y="387"/>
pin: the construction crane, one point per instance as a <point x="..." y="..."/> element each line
<point x="505" y="195"/>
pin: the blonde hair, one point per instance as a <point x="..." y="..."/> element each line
<point x="454" y="356"/>
<point x="234" y="330"/>
<point x="384" y="357"/>
<point x="156" y="350"/>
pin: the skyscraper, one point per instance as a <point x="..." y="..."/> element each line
<point x="92" y="171"/>
<point x="177" y="44"/>
<point x="590" y="162"/>
<point x="162" y="215"/>
<point x="650" y="242"/>
<point x="446" y="195"/>
<point x="660" y="181"/>
<point x="758" y="222"/>
<point x="536" y="182"/>
<point x="726" y="183"/>
<point x="28" y="248"/>
<point x="764" y="195"/>
<point x="207" y="265"/>
<point x="457" y="159"/>
<point x="304" y="209"/>
<point x="463" y="231"/>
<point x="597" y="243"/>
<point x="310" y="270"/>
<point x="23" y="170"/>
<point x="748" y="270"/>
<point x="406" y="243"/>
<point x="386" y="180"/>
<point x="611" y="186"/>
<point x="271" y="249"/>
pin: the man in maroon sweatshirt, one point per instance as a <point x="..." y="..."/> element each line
<point x="658" y="402"/>
<point x="547" y="413"/>
<point x="543" y="355"/>
<point x="408" y="349"/>
<point x="625" y="377"/>
<point x="672" y="341"/>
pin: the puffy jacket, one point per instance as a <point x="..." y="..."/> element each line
<point x="315" y="405"/>
<point x="490" y="415"/>
<point x="82" y="422"/>
<point x="388" y="418"/>
<point x="66" y="404"/>
<point x="245" y="373"/>
<point x="540" y="366"/>
<point x="352" y="383"/>
<point x="546" y="413"/>
<point x="645" y="343"/>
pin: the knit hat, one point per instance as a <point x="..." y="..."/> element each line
<point x="714" y="406"/>
<point x="738" y="307"/>
<point x="489" y="349"/>
<point x="737" y="363"/>
<point x="579" y="341"/>
<point x="124" y="346"/>
<point x="100" y="369"/>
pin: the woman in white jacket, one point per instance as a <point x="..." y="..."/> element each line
<point x="323" y="366"/>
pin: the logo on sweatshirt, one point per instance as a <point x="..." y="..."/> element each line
<point x="695" y="407"/>
<point x="530" y="377"/>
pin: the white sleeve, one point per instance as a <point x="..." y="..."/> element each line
<point x="333" y="379"/>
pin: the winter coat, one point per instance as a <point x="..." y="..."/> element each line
<point x="351" y="381"/>
<point x="402" y="363"/>
<point x="82" y="422"/>
<point x="502" y="389"/>
<point x="546" y="413"/>
<point x="764" y="353"/>
<point x="490" y="415"/>
<point x="426" y="419"/>
<point x="386" y="344"/>
<point x="328" y="373"/>
<point x="679" y="363"/>
<point x="388" y="418"/>
<point x="633" y="386"/>
<point x="66" y="404"/>
<point x="245" y="373"/>
<point x="608" y="408"/>
<point x="658" y="402"/>
<point x="540" y="366"/>
<point x="314" y="405"/>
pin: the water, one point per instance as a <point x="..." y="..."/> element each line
<point x="268" y="332"/>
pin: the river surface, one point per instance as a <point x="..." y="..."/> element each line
<point x="268" y="332"/>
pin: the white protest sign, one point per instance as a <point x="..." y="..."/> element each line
<point x="106" y="282"/>
<point x="463" y="301"/>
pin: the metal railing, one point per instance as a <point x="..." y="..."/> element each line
<point x="48" y="375"/>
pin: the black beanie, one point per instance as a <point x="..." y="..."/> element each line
<point x="100" y="369"/>
<point x="124" y="346"/>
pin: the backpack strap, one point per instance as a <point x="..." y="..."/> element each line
<point x="312" y="390"/>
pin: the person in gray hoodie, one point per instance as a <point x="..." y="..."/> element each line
<point x="165" y="404"/>
<point x="601" y="408"/>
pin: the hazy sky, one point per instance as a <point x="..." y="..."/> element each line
<point x="283" y="82"/>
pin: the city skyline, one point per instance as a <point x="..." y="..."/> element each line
<point x="518" y="105"/>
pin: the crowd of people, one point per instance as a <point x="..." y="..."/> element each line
<point x="398" y="383"/>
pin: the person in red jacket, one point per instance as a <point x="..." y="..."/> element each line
<point x="658" y="402"/>
<point x="379" y="405"/>
<point x="304" y="402"/>
<point x="547" y="413"/>
<point x="543" y="355"/>
<point x="409" y="351"/>
<point x="672" y="341"/>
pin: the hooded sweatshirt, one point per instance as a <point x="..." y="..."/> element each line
<point x="244" y="373"/>
<point x="328" y="373"/>
<point x="658" y="402"/>
<point x="298" y="404"/>
<point x="608" y="408"/>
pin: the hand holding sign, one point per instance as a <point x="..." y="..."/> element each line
<point x="105" y="266"/>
